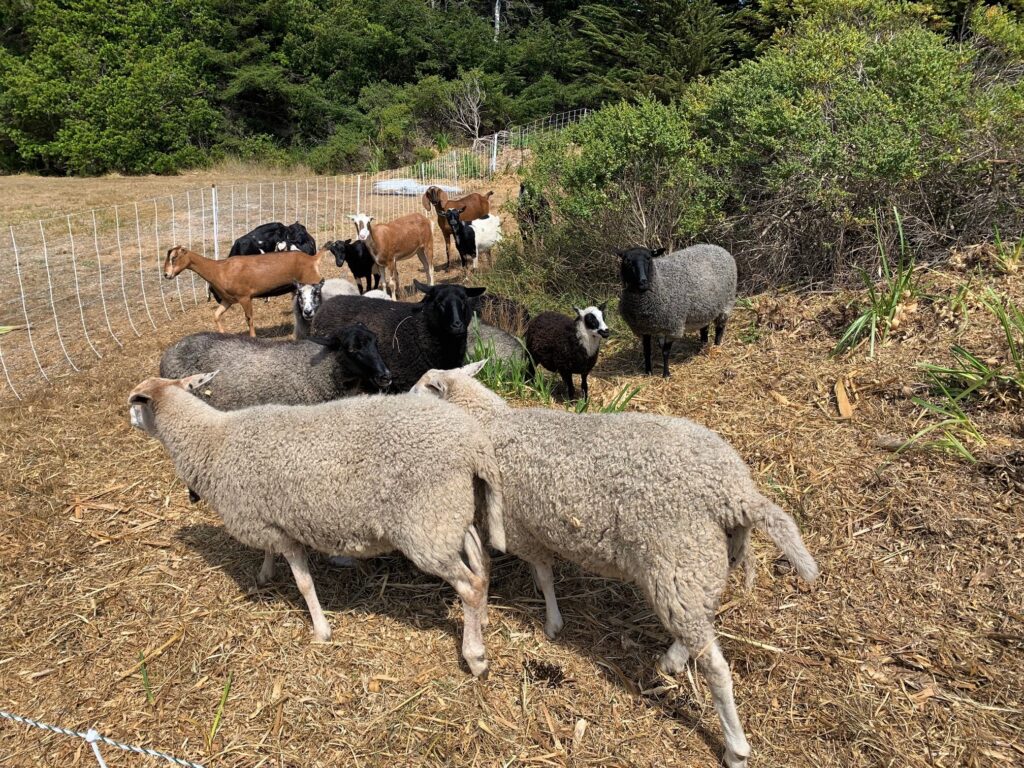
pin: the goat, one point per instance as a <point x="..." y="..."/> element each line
<point x="359" y="259"/>
<point x="474" y="205"/>
<point x="396" y="240"/>
<point x="239" y="281"/>
<point x="473" y="238"/>
<point x="269" y="238"/>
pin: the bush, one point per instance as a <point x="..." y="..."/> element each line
<point x="787" y="160"/>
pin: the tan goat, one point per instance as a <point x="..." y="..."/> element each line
<point x="396" y="240"/>
<point x="239" y="281"/>
<point x="477" y="206"/>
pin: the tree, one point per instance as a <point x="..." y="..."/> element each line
<point x="465" y="103"/>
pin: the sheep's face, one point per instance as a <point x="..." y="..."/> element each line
<point x="359" y="346"/>
<point x="590" y="322"/>
<point x="448" y="306"/>
<point x="362" y="224"/>
<point x="636" y="267"/>
<point x="177" y="259"/>
<point x="442" y="384"/>
<point x="142" y="399"/>
<point x="308" y="298"/>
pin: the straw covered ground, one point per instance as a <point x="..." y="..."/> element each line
<point x="909" y="651"/>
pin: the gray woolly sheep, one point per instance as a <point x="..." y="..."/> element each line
<point x="495" y="342"/>
<point x="260" y="371"/>
<point x="668" y="296"/>
<point x="287" y="478"/>
<point x="658" y="501"/>
<point x="413" y="337"/>
<point x="309" y="297"/>
<point x="567" y="345"/>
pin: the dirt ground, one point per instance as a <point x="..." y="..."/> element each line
<point x="907" y="652"/>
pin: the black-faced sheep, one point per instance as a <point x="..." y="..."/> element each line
<point x="668" y="296"/>
<point x="567" y="345"/>
<point x="413" y="337"/>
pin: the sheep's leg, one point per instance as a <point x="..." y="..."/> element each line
<point x="545" y="579"/>
<point x="720" y="329"/>
<point x="567" y="380"/>
<point x="300" y="570"/>
<point x="673" y="661"/>
<point x="715" y="669"/>
<point x="583" y="386"/>
<point x="704" y="335"/>
<point x="666" y="348"/>
<point x="217" y="314"/>
<point x="267" y="569"/>
<point x="647" y="354"/>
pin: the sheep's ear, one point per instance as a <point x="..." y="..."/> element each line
<point x="657" y="252"/>
<point x="422" y="287"/>
<point x="472" y="369"/>
<point x="577" y="310"/>
<point x="474" y="292"/>
<point x="603" y="306"/>
<point x="331" y="343"/>
<point x="192" y="383"/>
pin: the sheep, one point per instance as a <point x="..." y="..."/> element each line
<point x="658" y="501"/>
<point x="239" y="281"/>
<point x="377" y="293"/>
<point x="359" y="259"/>
<point x="667" y="296"/>
<point x="413" y="337"/>
<point x="567" y="345"/>
<point x="396" y="240"/>
<point x="309" y="297"/>
<point x="474" y="206"/>
<point x="475" y="237"/>
<point x="287" y="478"/>
<point x="261" y="371"/>
<point x="494" y="342"/>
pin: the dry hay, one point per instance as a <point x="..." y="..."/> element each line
<point x="908" y="652"/>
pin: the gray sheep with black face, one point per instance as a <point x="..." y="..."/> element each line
<point x="668" y="296"/>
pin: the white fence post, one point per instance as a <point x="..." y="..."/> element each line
<point x="216" y="222"/>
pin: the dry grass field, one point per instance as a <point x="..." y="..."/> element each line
<point x="909" y="651"/>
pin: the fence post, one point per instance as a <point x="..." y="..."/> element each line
<point x="359" y="181"/>
<point x="216" y="221"/>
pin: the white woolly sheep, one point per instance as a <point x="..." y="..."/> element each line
<point x="658" y="501"/>
<point x="668" y="296"/>
<point x="310" y="489"/>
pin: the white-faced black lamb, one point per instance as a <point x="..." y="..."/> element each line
<point x="287" y="478"/>
<point x="359" y="259"/>
<point x="669" y="296"/>
<point x="567" y="345"/>
<point x="258" y="371"/>
<point x="658" y="501"/>
<point x="413" y="338"/>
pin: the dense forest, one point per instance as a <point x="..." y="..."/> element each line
<point x="91" y="86"/>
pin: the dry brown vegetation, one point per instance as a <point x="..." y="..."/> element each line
<point x="907" y="652"/>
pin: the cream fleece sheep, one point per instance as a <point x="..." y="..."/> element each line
<point x="284" y="478"/>
<point x="648" y="499"/>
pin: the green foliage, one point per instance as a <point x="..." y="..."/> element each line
<point x="884" y="300"/>
<point x="509" y="378"/>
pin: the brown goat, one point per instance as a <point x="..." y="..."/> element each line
<point x="477" y="206"/>
<point x="396" y="240"/>
<point x="239" y="281"/>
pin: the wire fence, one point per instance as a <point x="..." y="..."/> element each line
<point x="77" y="286"/>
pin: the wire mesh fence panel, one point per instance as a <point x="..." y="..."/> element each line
<point x="81" y="285"/>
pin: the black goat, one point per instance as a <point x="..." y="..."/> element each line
<point x="359" y="259"/>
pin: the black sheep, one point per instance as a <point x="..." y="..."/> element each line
<point x="567" y="345"/>
<point x="359" y="259"/>
<point x="413" y="338"/>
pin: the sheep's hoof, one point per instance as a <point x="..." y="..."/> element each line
<point x="322" y="636"/>
<point x="732" y="760"/>
<point x="479" y="667"/>
<point x="552" y="628"/>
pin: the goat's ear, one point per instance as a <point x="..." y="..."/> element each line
<point x="474" y="292"/>
<point x="296" y="284"/>
<point x="657" y="252"/>
<point x="352" y="216"/>
<point x="472" y="369"/>
<point x="423" y="288"/>
<point x="192" y="383"/>
<point x="461" y="210"/>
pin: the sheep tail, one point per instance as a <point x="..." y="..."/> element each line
<point x="782" y="529"/>
<point x="489" y="475"/>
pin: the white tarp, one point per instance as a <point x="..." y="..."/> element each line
<point x="409" y="187"/>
